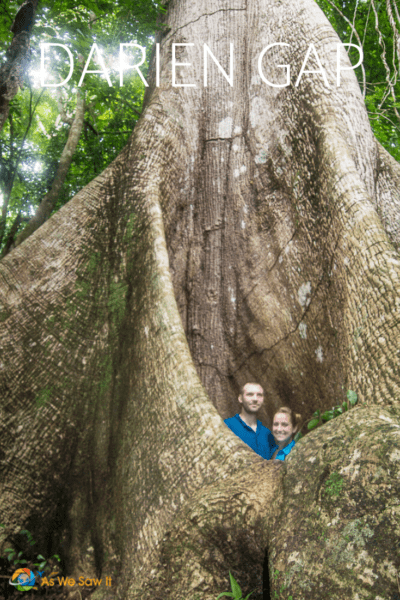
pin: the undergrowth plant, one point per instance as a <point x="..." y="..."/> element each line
<point x="318" y="418"/>
<point x="17" y="558"/>
<point x="236" y="592"/>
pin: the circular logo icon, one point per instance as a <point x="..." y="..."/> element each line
<point x="23" y="580"/>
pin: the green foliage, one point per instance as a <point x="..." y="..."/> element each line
<point x="17" y="558"/>
<point x="34" y="135"/>
<point x="33" y="138"/>
<point x="236" y="592"/>
<point x="333" y="485"/>
<point x="318" y="419"/>
<point x="352" y="18"/>
<point x="12" y="556"/>
<point x="47" y="564"/>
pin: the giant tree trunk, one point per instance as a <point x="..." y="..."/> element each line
<point x="236" y="238"/>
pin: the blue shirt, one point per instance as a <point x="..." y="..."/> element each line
<point x="284" y="452"/>
<point x="261" y="440"/>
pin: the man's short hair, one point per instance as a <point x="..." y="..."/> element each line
<point x="249" y="383"/>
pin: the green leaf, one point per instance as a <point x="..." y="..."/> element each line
<point x="226" y="594"/>
<point x="352" y="397"/>
<point x="40" y="557"/>
<point x="312" y="424"/>
<point x="344" y="406"/>
<point x="328" y="415"/>
<point x="237" y="592"/>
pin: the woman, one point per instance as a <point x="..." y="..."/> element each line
<point x="285" y="425"/>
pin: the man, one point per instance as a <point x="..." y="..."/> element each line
<point x="245" y="424"/>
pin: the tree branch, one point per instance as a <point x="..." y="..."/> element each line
<point x="47" y="204"/>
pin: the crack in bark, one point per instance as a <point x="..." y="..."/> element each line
<point x="219" y="139"/>
<point x="207" y="15"/>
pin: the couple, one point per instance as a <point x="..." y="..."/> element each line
<point x="269" y="445"/>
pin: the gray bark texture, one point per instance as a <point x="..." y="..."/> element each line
<point x="245" y="233"/>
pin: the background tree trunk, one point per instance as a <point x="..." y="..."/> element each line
<point x="12" y="71"/>
<point x="46" y="206"/>
<point x="235" y="238"/>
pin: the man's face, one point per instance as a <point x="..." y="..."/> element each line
<point x="252" y="398"/>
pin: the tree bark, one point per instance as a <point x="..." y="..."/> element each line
<point x="17" y="57"/>
<point x="7" y="181"/>
<point x="236" y="238"/>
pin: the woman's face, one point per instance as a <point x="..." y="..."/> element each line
<point x="282" y="429"/>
